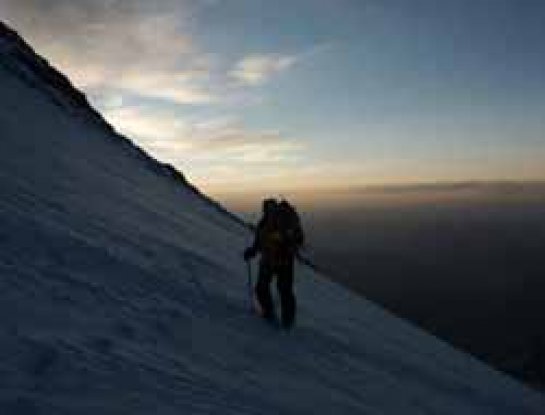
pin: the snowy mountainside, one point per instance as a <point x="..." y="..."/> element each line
<point x="122" y="291"/>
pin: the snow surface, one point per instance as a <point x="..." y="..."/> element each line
<point x="122" y="291"/>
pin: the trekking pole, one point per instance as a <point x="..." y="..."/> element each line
<point x="250" y="294"/>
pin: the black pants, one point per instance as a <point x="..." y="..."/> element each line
<point x="284" y="284"/>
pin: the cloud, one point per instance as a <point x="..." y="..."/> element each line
<point x="230" y="133"/>
<point x="117" y="45"/>
<point x="149" y="125"/>
<point x="136" y="47"/>
<point x="182" y="87"/>
<point x="222" y="140"/>
<point x="475" y="187"/>
<point x="257" y="69"/>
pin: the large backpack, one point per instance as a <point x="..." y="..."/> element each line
<point x="281" y="234"/>
<point x="290" y="226"/>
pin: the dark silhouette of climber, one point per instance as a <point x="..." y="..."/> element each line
<point x="277" y="238"/>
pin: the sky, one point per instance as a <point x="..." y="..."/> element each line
<point x="260" y="96"/>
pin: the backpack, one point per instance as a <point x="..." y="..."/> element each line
<point x="281" y="234"/>
<point x="290" y="225"/>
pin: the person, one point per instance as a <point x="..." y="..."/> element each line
<point x="278" y="236"/>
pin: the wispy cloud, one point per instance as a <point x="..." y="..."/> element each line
<point x="115" y="44"/>
<point x="217" y="141"/>
<point x="231" y="133"/>
<point x="151" y="126"/>
<point x="258" y="68"/>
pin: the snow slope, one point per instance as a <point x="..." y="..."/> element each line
<point x="122" y="291"/>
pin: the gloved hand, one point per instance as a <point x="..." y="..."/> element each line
<point x="248" y="254"/>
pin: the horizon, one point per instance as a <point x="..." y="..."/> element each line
<point x="249" y="98"/>
<point x="342" y="200"/>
